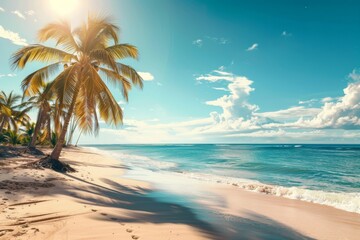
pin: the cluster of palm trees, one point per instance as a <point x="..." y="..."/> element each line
<point x="71" y="90"/>
<point x="12" y="116"/>
<point x="17" y="128"/>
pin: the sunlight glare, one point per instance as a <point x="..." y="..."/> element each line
<point x="63" y="7"/>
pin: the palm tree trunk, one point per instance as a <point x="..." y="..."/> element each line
<point x="78" y="139"/>
<point x="48" y="127"/>
<point x="60" y="142"/>
<point x="2" y="124"/>
<point x="36" y="130"/>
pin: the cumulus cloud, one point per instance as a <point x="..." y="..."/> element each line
<point x="252" y="47"/>
<point x="239" y="120"/>
<point x="344" y="113"/>
<point x="12" y="36"/>
<point x="235" y="104"/>
<point x="19" y="14"/>
<point x="237" y="114"/>
<point x="146" y="76"/>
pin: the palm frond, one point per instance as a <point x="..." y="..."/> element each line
<point x="39" y="53"/>
<point x="131" y="74"/>
<point x="121" y="51"/>
<point x="116" y="79"/>
<point x="61" y="33"/>
<point x="32" y="84"/>
<point x="64" y="85"/>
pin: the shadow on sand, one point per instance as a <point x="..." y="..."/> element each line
<point x="146" y="208"/>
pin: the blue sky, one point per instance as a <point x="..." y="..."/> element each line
<point x="220" y="71"/>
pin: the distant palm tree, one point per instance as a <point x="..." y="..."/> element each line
<point x="15" y="113"/>
<point x="4" y="110"/>
<point x="28" y="132"/>
<point x="41" y="101"/>
<point x="12" y="137"/>
<point x="88" y="53"/>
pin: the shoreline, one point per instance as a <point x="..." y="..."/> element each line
<point x="98" y="202"/>
<point x="346" y="201"/>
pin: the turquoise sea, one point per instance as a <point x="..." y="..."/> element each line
<point x="324" y="174"/>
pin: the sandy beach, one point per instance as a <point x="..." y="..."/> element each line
<point x="98" y="202"/>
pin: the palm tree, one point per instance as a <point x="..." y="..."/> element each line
<point x="13" y="113"/>
<point x="88" y="54"/>
<point x="42" y="102"/>
<point x="28" y="132"/>
<point x="12" y="137"/>
<point x="4" y="110"/>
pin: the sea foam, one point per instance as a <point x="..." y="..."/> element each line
<point x="341" y="200"/>
<point x="348" y="201"/>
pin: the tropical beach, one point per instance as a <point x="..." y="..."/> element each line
<point x="180" y="120"/>
<point x="97" y="202"/>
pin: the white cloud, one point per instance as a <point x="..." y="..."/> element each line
<point x="146" y="76"/>
<point x="286" y="34"/>
<point x="222" y="72"/>
<point x="216" y="75"/>
<point x="218" y="40"/>
<point x="12" y="36"/>
<point x="237" y="113"/>
<point x="2" y="10"/>
<point x="221" y="89"/>
<point x="8" y="75"/>
<point x="30" y="12"/>
<point x="214" y="78"/>
<point x="344" y="113"/>
<point x="19" y="14"/>
<point x="328" y="99"/>
<point x="198" y="42"/>
<point x="354" y="75"/>
<point x="235" y="105"/>
<point x="238" y="120"/>
<point x="309" y="102"/>
<point x="252" y="47"/>
<point x="291" y="113"/>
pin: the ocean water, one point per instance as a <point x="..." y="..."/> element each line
<point x="324" y="174"/>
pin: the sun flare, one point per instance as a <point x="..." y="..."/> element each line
<point x="63" y="7"/>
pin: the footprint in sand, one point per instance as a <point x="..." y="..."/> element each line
<point x="135" y="237"/>
<point x="94" y="210"/>
<point x="129" y="230"/>
<point x="104" y="214"/>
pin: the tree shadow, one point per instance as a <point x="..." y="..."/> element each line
<point x="145" y="208"/>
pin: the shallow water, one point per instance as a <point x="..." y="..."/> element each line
<point x="325" y="174"/>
